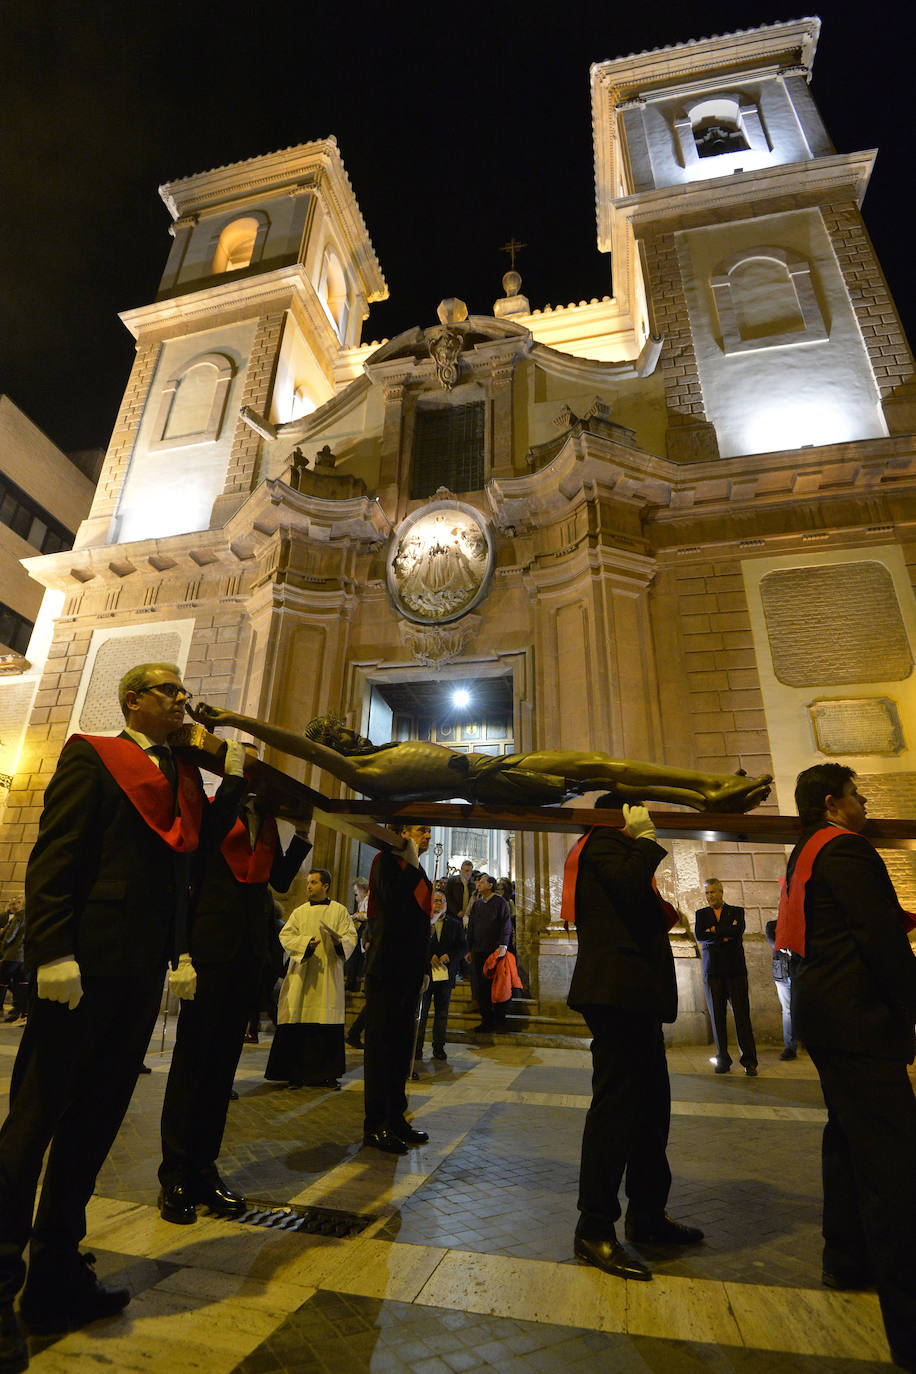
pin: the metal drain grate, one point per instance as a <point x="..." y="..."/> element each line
<point x="313" y="1221"/>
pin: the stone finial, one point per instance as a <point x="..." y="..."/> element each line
<point x="451" y="311"/>
<point x="512" y="280"/>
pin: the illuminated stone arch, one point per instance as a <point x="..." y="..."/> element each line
<point x="193" y="402"/>
<point x="765" y="298"/>
<point x="239" y="243"/>
<point x="719" y="125"/>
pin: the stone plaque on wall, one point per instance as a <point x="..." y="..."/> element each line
<point x="100" y="710"/>
<point x="837" y="623"/>
<point x="870" y="725"/>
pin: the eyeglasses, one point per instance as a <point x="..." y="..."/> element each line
<point x="167" y="689"/>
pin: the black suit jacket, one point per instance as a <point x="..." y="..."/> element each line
<point x="398" y="925"/>
<point x="227" y="915"/>
<point x="624" y="958"/>
<point x="100" y="884"/>
<point x="451" y="942"/>
<point x="454" y="894"/>
<point x="855" y="989"/>
<point x="720" y="941"/>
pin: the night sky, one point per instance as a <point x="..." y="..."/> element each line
<point x="460" y="124"/>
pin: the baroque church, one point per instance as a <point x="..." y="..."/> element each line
<point x="674" y="525"/>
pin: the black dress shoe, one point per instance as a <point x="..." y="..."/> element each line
<point x="608" y="1254"/>
<point x="439" y="1052"/>
<point x="751" y="1070"/>
<point x="789" y="1054"/>
<point x="144" y="1068"/>
<point x="482" y="1030"/>
<point x="662" y="1231"/>
<point x="385" y="1140"/>
<point x="14" y="1353"/>
<point x="220" y="1199"/>
<point x="176" y="1205"/>
<point x="722" y="1066"/>
<point x="354" y="1042"/>
<point x="409" y="1136"/>
<point x="73" y="1299"/>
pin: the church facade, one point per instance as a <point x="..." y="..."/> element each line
<point x="673" y="525"/>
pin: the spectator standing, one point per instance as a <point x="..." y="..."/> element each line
<point x="719" y="929"/>
<point x="782" y="978"/>
<point x="489" y="932"/>
<point x="12" y="969"/>
<point x="447" y="948"/>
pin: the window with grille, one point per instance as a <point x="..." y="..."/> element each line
<point x="448" y="449"/>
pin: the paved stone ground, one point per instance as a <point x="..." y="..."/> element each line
<point x="495" y="1189"/>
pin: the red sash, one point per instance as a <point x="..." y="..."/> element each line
<point x="571" y="874"/>
<point x="148" y="790"/>
<point x="251" y="865"/>
<point x="790" y="915"/>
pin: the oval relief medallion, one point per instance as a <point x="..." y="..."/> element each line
<point x="440" y="563"/>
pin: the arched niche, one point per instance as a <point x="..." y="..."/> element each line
<point x="193" y="401"/>
<point x="765" y="298"/>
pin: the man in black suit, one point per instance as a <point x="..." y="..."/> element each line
<point x="853" y="1006"/>
<point x="400" y="903"/>
<point x="624" y="985"/>
<point x="719" y="929"/>
<point x="106" y="905"/>
<point x="447" y="948"/>
<point x="228" y="948"/>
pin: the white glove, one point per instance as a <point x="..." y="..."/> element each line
<point x="59" y="981"/>
<point x="638" y="822"/>
<point x="234" y="763"/>
<point x="183" y="979"/>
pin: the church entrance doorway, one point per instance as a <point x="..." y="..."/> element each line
<point x="469" y="715"/>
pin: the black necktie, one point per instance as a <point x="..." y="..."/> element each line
<point x="167" y="766"/>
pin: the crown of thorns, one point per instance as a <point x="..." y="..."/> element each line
<point x="325" y="729"/>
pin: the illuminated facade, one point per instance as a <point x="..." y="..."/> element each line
<point x="672" y="525"/>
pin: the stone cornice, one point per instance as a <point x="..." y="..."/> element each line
<point x="316" y="166"/>
<point x="274" y="506"/>
<point x="701" y="199"/>
<point x="250" y="296"/>
<point x="623" y="78"/>
<point x="672" y="496"/>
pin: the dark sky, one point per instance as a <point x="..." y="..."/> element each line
<point x="460" y="124"/>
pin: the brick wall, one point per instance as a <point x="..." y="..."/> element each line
<point x="256" y="391"/>
<point x="678" y="362"/>
<point x="121" y="446"/>
<point x="871" y="300"/>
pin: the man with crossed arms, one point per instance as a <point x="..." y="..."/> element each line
<point x="106" y="910"/>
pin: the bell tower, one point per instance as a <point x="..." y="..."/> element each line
<point x="266" y="287"/>
<point x="737" y="235"/>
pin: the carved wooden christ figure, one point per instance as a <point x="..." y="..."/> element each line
<point x="417" y="770"/>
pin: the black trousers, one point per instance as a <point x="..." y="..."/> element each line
<point x="391" y="1014"/>
<point x="72" y="1082"/>
<point x="869" y="1170"/>
<point x="439" y="994"/>
<point x="491" y="1013"/>
<point x="719" y="992"/>
<point x="626" y="1129"/>
<point x="208" y="1043"/>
